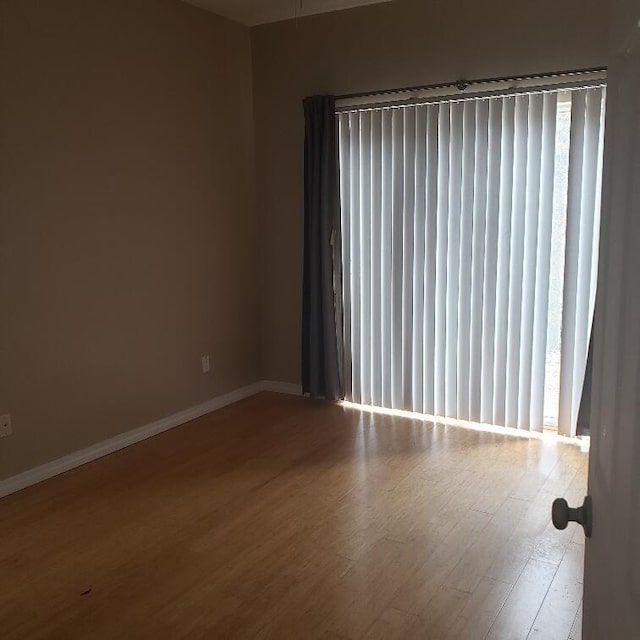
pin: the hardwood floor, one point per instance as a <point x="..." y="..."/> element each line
<point x="279" y="517"/>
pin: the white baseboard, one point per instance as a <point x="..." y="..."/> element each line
<point x="289" y="388"/>
<point x="78" y="458"/>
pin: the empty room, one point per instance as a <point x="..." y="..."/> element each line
<point x="319" y="319"/>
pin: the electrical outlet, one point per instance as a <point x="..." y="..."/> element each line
<point x="206" y="364"/>
<point x="5" y="425"/>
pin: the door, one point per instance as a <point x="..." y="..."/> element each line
<point x="612" y="557"/>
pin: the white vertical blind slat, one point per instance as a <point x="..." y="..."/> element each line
<point x="543" y="261"/>
<point x="397" y="141"/>
<point x="569" y="305"/>
<point x="529" y="260"/>
<point x="419" y="246"/>
<point x="503" y="251"/>
<point x="518" y="213"/>
<point x="494" y="156"/>
<point x="409" y="153"/>
<point x="356" y="261"/>
<point x="581" y="208"/>
<point x="442" y="235"/>
<point x="479" y="229"/>
<point x="345" y="202"/>
<point x="453" y="260"/>
<point x="466" y="254"/>
<point x="376" y="257"/>
<point x="365" y="253"/>
<point x="588" y="257"/>
<point x="431" y="231"/>
<point x="596" y="222"/>
<point x="386" y="257"/>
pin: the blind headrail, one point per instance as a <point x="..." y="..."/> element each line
<point x="472" y="89"/>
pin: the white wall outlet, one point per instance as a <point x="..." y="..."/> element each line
<point x="5" y="425"/>
<point x="206" y="364"/>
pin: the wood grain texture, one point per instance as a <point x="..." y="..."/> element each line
<point x="279" y="517"/>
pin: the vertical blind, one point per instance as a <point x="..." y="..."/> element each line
<point x="447" y="231"/>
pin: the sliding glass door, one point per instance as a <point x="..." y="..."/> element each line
<point x="470" y="239"/>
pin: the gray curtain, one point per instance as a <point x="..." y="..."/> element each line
<point x="322" y="344"/>
<point x="584" y="412"/>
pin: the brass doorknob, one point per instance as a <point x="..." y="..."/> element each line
<point x="562" y="514"/>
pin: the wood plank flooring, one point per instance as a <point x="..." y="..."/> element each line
<point x="279" y="517"/>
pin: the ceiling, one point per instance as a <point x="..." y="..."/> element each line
<point x="254" y="12"/>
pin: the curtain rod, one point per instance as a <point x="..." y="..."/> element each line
<point x="461" y="85"/>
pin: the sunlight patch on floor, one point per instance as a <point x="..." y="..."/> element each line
<point x="579" y="441"/>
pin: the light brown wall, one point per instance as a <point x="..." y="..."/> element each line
<point x="127" y="218"/>
<point x="403" y="43"/>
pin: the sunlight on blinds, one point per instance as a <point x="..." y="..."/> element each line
<point x="451" y="213"/>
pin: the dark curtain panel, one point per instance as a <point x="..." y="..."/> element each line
<point x="584" y="411"/>
<point x="322" y="345"/>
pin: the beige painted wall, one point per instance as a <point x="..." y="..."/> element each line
<point x="403" y="43"/>
<point x="127" y="218"/>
